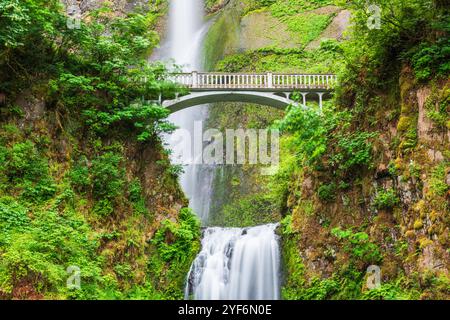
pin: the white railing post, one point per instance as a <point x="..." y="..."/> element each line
<point x="194" y="81"/>
<point x="269" y="80"/>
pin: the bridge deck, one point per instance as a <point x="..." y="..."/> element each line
<point x="201" y="81"/>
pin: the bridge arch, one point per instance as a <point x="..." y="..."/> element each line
<point x="198" y="98"/>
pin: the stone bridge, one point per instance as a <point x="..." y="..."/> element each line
<point x="272" y="89"/>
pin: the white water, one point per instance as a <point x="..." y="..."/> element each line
<point x="236" y="263"/>
<point x="184" y="47"/>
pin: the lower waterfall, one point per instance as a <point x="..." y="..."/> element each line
<point x="236" y="263"/>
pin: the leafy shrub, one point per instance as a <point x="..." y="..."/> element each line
<point x="175" y="241"/>
<point x="136" y="197"/>
<point x="41" y="252"/>
<point x="385" y="199"/>
<point x="13" y="218"/>
<point x="354" y="150"/>
<point x="358" y="245"/>
<point x="103" y="207"/>
<point x="24" y="161"/>
<point x="320" y="289"/>
<point x="327" y="192"/>
<point x="79" y="176"/>
<point x="25" y="168"/>
<point x="108" y="177"/>
<point x="432" y="59"/>
<point x="438" y="185"/>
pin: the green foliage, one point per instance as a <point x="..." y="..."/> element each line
<point x="322" y="140"/>
<point x="22" y="20"/>
<point x="286" y="225"/>
<point x="13" y="217"/>
<point x="39" y="250"/>
<point x="354" y="151"/>
<point x="176" y="245"/>
<point x="319" y="289"/>
<point x="99" y="70"/>
<point x="108" y="176"/>
<point x="27" y="170"/>
<point x="248" y="211"/>
<point x="283" y="8"/>
<point x="438" y="186"/>
<point x="174" y="241"/>
<point x="95" y="82"/>
<point x="432" y="59"/>
<point x="310" y="132"/>
<point x="327" y="192"/>
<point x="386" y="199"/>
<point x="393" y="290"/>
<point x="358" y="245"/>
<point x="79" y="176"/>
<point x="412" y="32"/>
<point x="293" y="262"/>
<point x="136" y="197"/>
<point x="308" y="26"/>
<point x="325" y="59"/>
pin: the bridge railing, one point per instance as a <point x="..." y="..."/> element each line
<point x="215" y="80"/>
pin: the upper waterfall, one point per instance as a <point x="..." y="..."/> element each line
<point x="186" y="33"/>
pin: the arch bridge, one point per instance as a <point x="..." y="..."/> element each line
<point x="272" y="89"/>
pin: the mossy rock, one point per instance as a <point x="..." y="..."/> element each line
<point x="425" y="242"/>
<point x="418" y="224"/>
<point x="405" y="123"/>
<point x="410" y="234"/>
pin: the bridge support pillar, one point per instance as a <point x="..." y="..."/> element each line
<point x="320" y="94"/>
<point x="304" y="97"/>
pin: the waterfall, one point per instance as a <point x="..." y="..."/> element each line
<point x="236" y="263"/>
<point x="184" y="47"/>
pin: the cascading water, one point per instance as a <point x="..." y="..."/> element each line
<point x="184" y="47"/>
<point x="234" y="263"/>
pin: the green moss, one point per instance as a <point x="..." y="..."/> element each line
<point x="308" y="27"/>
<point x="418" y="224"/>
<point x="405" y="123"/>
<point x="217" y="42"/>
<point x="248" y="211"/>
<point x="321" y="60"/>
<point x="286" y="8"/>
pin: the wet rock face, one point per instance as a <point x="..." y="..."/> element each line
<point x="408" y="190"/>
<point x="424" y="125"/>
<point x="33" y="107"/>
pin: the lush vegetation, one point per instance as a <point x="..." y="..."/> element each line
<point x="84" y="180"/>
<point x="342" y="149"/>
<point x="69" y="196"/>
<point x="346" y="172"/>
